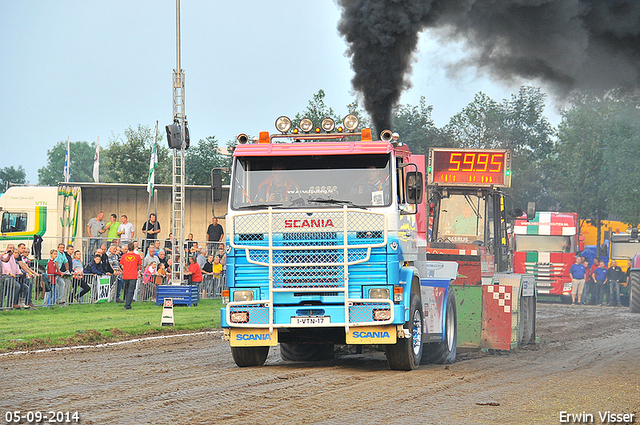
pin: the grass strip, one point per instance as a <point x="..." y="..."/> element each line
<point x="98" y="323"/>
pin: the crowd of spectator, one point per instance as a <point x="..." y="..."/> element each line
<point x="67" y="276"/>
<point x="591" y="284"/>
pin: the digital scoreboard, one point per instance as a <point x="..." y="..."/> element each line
<point x="469" y="167"/>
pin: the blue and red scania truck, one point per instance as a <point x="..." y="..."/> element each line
<point x="333" y="238"/>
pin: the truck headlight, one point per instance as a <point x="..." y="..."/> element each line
<point x="245" y="295"/>
<point x="306" y="125"/>
<point x="379" y="293"/>
<point x="328" y="124"/>
<point x="350" y="122"/>
<point x="283" y="124"/>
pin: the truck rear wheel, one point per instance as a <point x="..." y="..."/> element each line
<point x="634" y="291"/>
<point x="444" y="352"/>
<point x="407" y="352"/>
<point x="249" y="356"/>
<point x="305" y="352"/>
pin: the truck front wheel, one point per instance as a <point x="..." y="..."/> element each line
<point x="407" y="352"/>
<point x="634" y="291"/>
<point x="444" y="352"/>
<point x="249" y="356"/>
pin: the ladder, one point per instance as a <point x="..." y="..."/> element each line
<point x="178" y="192"/>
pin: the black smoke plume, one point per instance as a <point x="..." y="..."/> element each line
<point x="569" y="44"/>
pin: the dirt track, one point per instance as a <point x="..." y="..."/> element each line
<point x="588" y="361"/>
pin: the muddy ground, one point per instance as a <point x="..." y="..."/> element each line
<point x="588" y="360"/>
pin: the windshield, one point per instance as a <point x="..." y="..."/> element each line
<point x="461" y="219"/>
<point x="544" y="243"/>
<point x="624" y="250"/>
<point x="311" y="181"/>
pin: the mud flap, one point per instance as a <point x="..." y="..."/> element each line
<point x="372" y="335"/>
<point x="251" y="337"/>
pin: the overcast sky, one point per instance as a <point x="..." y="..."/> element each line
<point x="89" y="69"/>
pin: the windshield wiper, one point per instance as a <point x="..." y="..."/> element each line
<point x="335" y="201"/>
<point x="256" y="206"/>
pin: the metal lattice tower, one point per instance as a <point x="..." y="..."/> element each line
<point x="178" y="192"/>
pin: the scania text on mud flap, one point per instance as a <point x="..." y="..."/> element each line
<point x="326" y="234"/>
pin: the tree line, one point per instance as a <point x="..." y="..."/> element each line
<point x="126" y="160"/>
<point x="588" y="164"/>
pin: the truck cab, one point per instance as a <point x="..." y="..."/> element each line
<point x="324" y="228"/>
<point x="624" y="247"/>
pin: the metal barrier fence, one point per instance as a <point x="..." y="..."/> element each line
<point x="19" y="292"/>
<point x="88" y="246"/>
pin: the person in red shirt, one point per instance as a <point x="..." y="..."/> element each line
<point x="194" y="271"/>
<point x="131" y="266"/>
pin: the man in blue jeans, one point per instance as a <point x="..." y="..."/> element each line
<point x="614" y="277"/>
<point x="599" y="276"/>
<point x="95" y="229"/>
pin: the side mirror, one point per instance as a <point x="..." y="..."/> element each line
<point x="414" y="187"/>
<point x="531" y="210"/>
<point x="216" y="185"/>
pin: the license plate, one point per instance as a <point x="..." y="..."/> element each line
<point x="310" y="320"/>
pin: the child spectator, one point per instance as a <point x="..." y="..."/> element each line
<point x="78" y="277"/>
<point x="149" y="273"/>
<point x="161" y="274"/>
<point x="78" y="268"/>
<point x="55" y="277"/>
<point x="95" y="267"/>
<point x="217" y="267"/>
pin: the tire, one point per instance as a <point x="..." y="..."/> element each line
<point x="566" y="299"/>
<point x="634" y="291"/>
<point x="249" y="356"/>
<point x="407" y="352"/>
<point x="305" y="352"/>
<point x="445" y="352"/>
<point x="532" y="317"/>
<point x="524" y="334"/>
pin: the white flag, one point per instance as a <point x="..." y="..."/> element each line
<point x="67" y="165"/>
<point x="153" y="162"/>
<point x="96" y="162"/>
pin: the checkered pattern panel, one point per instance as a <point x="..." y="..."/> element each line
<point x="502" y="296"/>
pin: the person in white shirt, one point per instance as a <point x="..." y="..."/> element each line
<point x="126" y="230"/>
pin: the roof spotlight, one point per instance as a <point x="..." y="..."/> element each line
<point x="350" y="122"/>
<point x="242" y="139"/>
<point x="328" y="125"/>
<point x="306" y="125"/>
<point x="283" y="124"/>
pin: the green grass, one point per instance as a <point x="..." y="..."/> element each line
<point x="96" y="323"/>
